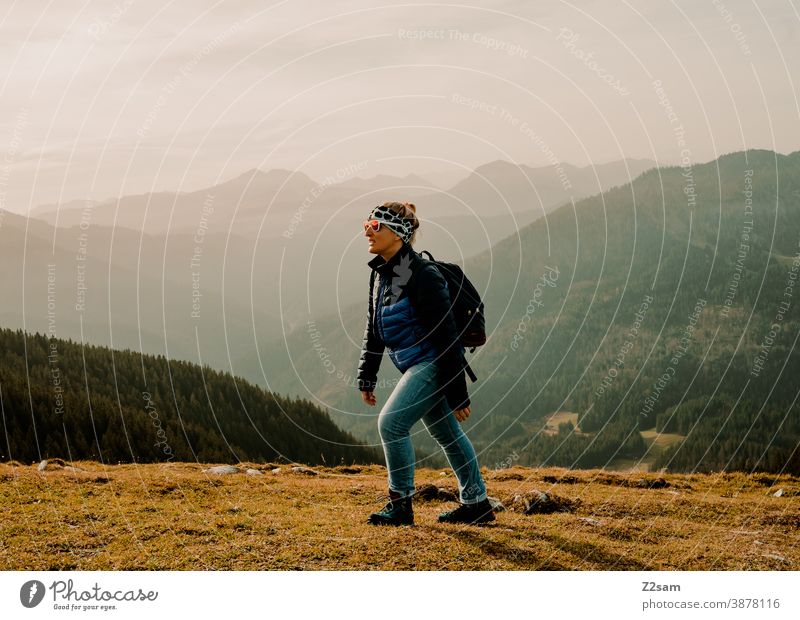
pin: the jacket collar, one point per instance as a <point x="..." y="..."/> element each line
<point x="382" y="266"/>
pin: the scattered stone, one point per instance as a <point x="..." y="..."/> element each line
<point x="75" y="469"/>
<point x="497" y="505"/>
<point x="253" y="472"/>
<point x="430" y="492"/>
<point x="300" y="469"/>
<point x="591" y="521"/>
<point x="538" y="502"/>
<point x="775" y="556"/>
<point x="657" y="483"/>
<point x="778" y="493"/>
<point x="426" y="492"/>
<point x="277" y="470"/>
<point x="444" y="473"/>
<point x="51" y="464"/>
<point x="446" y="495"/>
<point x="222" y="469"/>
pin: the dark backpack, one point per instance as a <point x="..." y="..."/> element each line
<point x="466" y="305"/>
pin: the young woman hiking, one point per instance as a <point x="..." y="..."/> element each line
<point x="409" y="315"/>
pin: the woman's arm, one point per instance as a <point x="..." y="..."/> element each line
<point x="372" y="348"/>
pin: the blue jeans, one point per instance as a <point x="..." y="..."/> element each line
<point x="418" y="396"/>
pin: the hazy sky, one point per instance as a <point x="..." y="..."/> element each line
<point x="107" y="98"/>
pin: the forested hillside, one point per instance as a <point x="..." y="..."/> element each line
<point x="674" y="310"/>
<point x="61" y="399"/>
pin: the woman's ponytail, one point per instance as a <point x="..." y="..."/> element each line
<point x="407" y="211"/>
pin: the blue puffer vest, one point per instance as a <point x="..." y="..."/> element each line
<point x="401" y="331"/>
<point x="409" y="313"/>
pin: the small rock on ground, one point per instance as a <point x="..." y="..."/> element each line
<point x="539" y="502"/>
<point x="222" y="469"/>
<point x="430" y="492"/>
<point x="497" y="505"/>
<point x="299" y="469"/>
<point x="50" y="464"/>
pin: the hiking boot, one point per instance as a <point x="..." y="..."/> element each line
<point x="397" y="512"/>
<point x="480" y="512"/>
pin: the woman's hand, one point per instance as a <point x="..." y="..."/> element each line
<point x="369" y="398"/>
<point x="462" y="414"/>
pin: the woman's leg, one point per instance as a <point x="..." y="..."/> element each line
<point x="443" y="426"/>
<point x="411" y="398"/>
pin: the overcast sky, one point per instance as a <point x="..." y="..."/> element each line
<point x="109" y="98"/>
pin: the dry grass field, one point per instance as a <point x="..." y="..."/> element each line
<point x="175" y="516"/>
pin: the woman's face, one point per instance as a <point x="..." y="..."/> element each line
<point x="383" y="241"/>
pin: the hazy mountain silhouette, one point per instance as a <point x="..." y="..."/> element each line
<point x="137" y="291"/>
<point x="263" y="202"/>
<point x="672" y="236"/>
<point x="510" y="187"/>
<point x="265" y="242"/>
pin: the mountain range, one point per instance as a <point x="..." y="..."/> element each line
<point x="211" y="276"/>
<point x="631" y="310"/>
<point x="646" y="310"/>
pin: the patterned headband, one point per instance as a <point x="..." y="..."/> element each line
<point x="403" y="227"/>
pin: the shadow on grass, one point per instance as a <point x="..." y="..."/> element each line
<point x="599" y="557"/>
<point x="520" y="557"/>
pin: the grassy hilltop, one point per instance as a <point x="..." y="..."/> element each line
<point x="174" y="516"/>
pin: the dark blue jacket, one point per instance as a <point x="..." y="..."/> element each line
<point x="400" y="330"/>
<point x="409" y="313"/>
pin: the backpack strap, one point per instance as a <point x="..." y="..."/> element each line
<point x="470" y="373"/>
<point x="469" y="370"/>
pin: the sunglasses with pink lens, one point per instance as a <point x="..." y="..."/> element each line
<point x="375" y="225"/>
